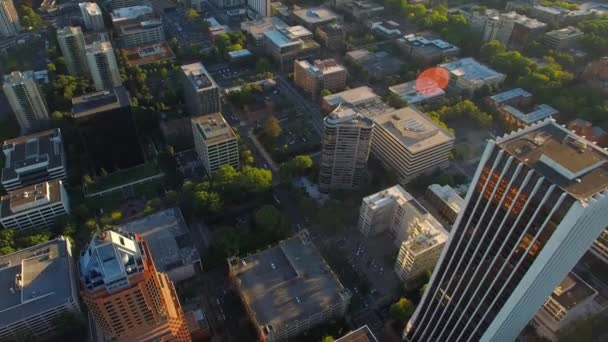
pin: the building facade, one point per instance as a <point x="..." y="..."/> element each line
<point x="71" y="43"/>
<point x="92" y="16"/>
<point x="537" y="201"/>
<point x="518" y="108"/>
<point x="286" y="44"/>
<point x="127" y="297"/>
<point x="323" y="74"/>
<point x="215" y="142"/>
<point x="446" y="200"/>
<point x="563" y="38"/>
<point x="258" y="9"/>
<point x="347" y="137"/>
<point x="467" y="75"/>
<point x="26" y="100"/>
<point x="331" y="36"/>
<point x="102" y="65"/>
<point x="9" y="20"/>
<point x="201" y="92"/>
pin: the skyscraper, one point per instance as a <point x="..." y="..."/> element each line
<point x="201" y="91"/>
<point x="537" y="202"/>
<point x="26" y="100"/>
<point x="9" y="20"/>
<point x="346" y="143"/>
<point x="91" y="14"/>
<point x="128" y="299"/>
<point x="71" y="43"/>
<point x="102" y="65"/>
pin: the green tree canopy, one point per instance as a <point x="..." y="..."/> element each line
<point x="192" y="14"/>
<point x="272" y="128"/>
<point x="267" y="217"/>
<point x="402" y="310"/>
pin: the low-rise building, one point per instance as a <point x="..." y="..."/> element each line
<point x="362" y="334"/>
<point x="558" y="16"/>
<point x="215" y="142"/>
<point x="563" y="38"/>
<point x="425" y="49"/>
<point x="518" y="108"/>
<point x="511" y="28"/>
<point x="410" y="143"/>
<point x="323" y="74"/>
<point x="38" y="285"/>
<point x="288" y="289"/>
<point x="311" y="18"/>
<point x="363" y="98"/>
<point x="201" y="92"/>
<point x="34" y="206"/>
<point x="331" y="36"/>
<point x="287" y="44"/>
<point x="384" y="28"/>
<point x="446" y="200"/>
<point x="33" y="159"/>
<point x="586" y="129"/>
<point x="376" y="64"/>
<point x="467" y="75"/>
<point x="359" y="9"/>
<point x="148" y="54"/>
<point x="418" y="92"/>
<point x="141" y="33"/>
<point x="256" y="28"/>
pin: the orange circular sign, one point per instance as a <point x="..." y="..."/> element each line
<point x="430" y="79"/>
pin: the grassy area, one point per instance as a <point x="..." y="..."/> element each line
<point x="124" y="176"/>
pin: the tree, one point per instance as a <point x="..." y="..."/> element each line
<point x="57" y="115"/>
<point x="27" y="240"/>
<point x="51" y="67"/>
<point x="491" y="49"/>
<point x="7" y="241"/>
<point x="226" y="175"/>
<point x="256" y="180"/>
<point x="302" y="163"/>
<point x="207" y="202"/>
<point x="395" y="101"/>
<point x="325" y="92"/>
<point x="30" y="19"/>
<point x="272" y="129"/>
<point x="247" y="158"/>
<point x="328" y="338"/>
<point x="116" y="216"/>
<point x="402" y="310"/>
<point x="267" y="217"/>
<point x="192" y="14"/>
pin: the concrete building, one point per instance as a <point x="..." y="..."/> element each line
<point x="418" y="92"/>
<point x="128" y="299"/>
<point x="201" y="92"/>
<point x="363" y="98"/>
<point x="71" y="43"/>
<point x="323" y="74"/>
<point x="215" y="142"/>
<point x="590" y="132"/>
<point x="287" y="44"/>
<point x="9" y="19"/>
<point x="467" y="75"/>
<point x="312" y="18"/>
<point x="359" y="9"/>
<point x="558" y="16"/>
<point x="375" y="64"/>
<point x="92" y="16"/>
<point x="169" y="240"/>
<point x="26" y="100"/>
<point x="258" y="9"/>
<point x="446" y="200"/>
<point x="347" y="136"/>
<point x="362" y="334"/>
<point x="34" y="206"/>
<point x="537" y="202"/>
<point x="256" y="28"/>
<point x="148" y="54"/>
<point x="426" y="50"/>
<point x="33" y="159"/>
<point x="518" y="108"/>
<point x="228" y="3"/>
<point x="384" y="29"/>
<point x="131" y="14"/>
<point x="331" y="36"/>
<point x="562" y="38"/>
<point x="102" y="65"/>
<point x="410" y="143"/>
<point x="288" y="289"/>
<point x="38" y="285"/>
<point x="116" y="4"/>
<point x="140" y="34"/>
<point x="511" y="28"/>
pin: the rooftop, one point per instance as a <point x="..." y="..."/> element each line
<point x="148" y="54"/>
<point x="353" y="96"/>
<point x="213" y="127"/>
<point x="424" y="43"/>
<point x="565" y="33"/>
<point x="380" y="62"/>
<point x="524" y="20"/>
<point x="287" y="36"/>
<point x="331" y="28"/>
<point x="362" y="334"/>
<point x="132" y="12"/>
<point x="574" y="164"/>
<point x="527" y="112"/>
<point x="416" y="131"/>
<point x="471" y="70"/>
<point x="426" y="234"/>
<point x="99" y="102"/>
<point x="572" y="291"/>
<point x="287" y="283"/>
<point x="315" y="15"/>
<point x="168" y="238"/>
<point x="417" y="91"/>
<point x="34" y="280"/>
<point x="90" y="7"/>
<point x="387" y="197"/>
<point x="347" y="114"/>
<point x="30" y="152"/>
<point x="257" y="28"/>
<point x="18" y="77"/>
<point x="29" y="197"/>
<point x="198" y="76"/>
<point x="448" y="195"/>
<point x="321" y="67"/>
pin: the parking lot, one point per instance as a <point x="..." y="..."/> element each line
<point x="185" y="31"/>
<point x="229" y="75"/>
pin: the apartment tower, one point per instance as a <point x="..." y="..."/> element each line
<point x="25" y="99"/>
<point x="347" y="136"/>
<point x="537" y="202"/>
<point x="201" y="92"/>
<point x="215" y="142"/>
<point x="9" y="20"/>
<point x="102" y="65"/>
<point x="71" y="43"/>
<point x="128" y="299"/>
<point x="92" y="16"/>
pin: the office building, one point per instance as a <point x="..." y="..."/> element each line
<point x="323" y="74"/>
<point x="227" y="3"/>
<point x="331" y="36"/>
<point x="9" y="19"/>
<point x="418" y="92"/>
<point x="311" y="18"/>
<point x="446" y="200"/>
<point x="102" y="65"/>
<point x="131" y="14"/>
<point x="510" y="28"/>
<point x="215" y="142"/>
<point x="258" y="9"/>
<point x="71" y="43"/>
<point x="116" y="4"/>
<point x="106" y="127"/>
<point x="537" y="202"/>
<point x="587" y="130"/>
<point x="169" y="240"/>
<point x="359" y="10"/>
<point x="425" y="49"/>
<point x="287" y="44"/>
<point x="201" y="92"/>
<point x="26" y="100"/>
<point x="563" y="38"/>
<point x="384" y="29"/>
<point x="467" y="75"/>
<point x="148" y="54"/>
<point x="128" y="299"/>
<point x="256" y="28"/>
<point x="375" y="64"/>
<point x="137" y="25"/>
<point x="33" y="159"/>
<point x="410" y="143"/>
<point x="347" y="136"/>
<point x="38" y="285"/>
<point x="558" y="16"/>
<point x="288" y="289"/>
<point x="34" y="206"/>
<point x="362" y="98"/>
<point x="362" y="334"/>
<point x="518" y="108"/>
<point x="92" y="16"/>
<point x="385" y="210"/>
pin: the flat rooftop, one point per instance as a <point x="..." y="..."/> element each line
<point x="287" y="283"/>
<point x="427" y="44"/>
<point x="572" y="291"/>
<point x="198" y="76"/>
<point x="287" y="36"/>
<point x="449" y="196"/>
<point x="30" y="196"/>
<point x="347" y="115"/>
<point x="416" y="131"/>
<point x="39" y="150"/>
<point x="90" y="7"/>
<point x="167" y="236"/>
<point x="471" y="70"/>
<point x="45" y="280"/>
<point x="213" y="127"/>
<point x="417" y="91"/>
<point x="99" y="102"/>
<point x="315" y="15"/>
<point x="574" y="164"/>
<point x="321" y="67"/>
<point x="362" y="334"/>
<point x="565" y="33"/>
<point x="132" y="12"/>
<point x="526" y="111"/>
<point x="148" y="54"/>
<point x="353" y="96"/>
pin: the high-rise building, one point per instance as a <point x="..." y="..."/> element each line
<point x="102" y="65"/>
<point x="323" y="74"/>
<point x="26" y="100"/>
<point x="127" y="297"/>
<point x="347" y="136"/>
<point x="445" y="200"/>
<point x="33" y="159"/>
<point x="201" y="92"/>
<point x="537" y="202"/>
<point x="258" y="9"/>
<point x="39" y="284"/>
<point x="286" y="44"/>
<point x="71" y="43"/>
<point x="9" y="20"/>
<point x="92" y="16"/>
<point x="215" y="142"/>
<point x="387" y="210"/>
